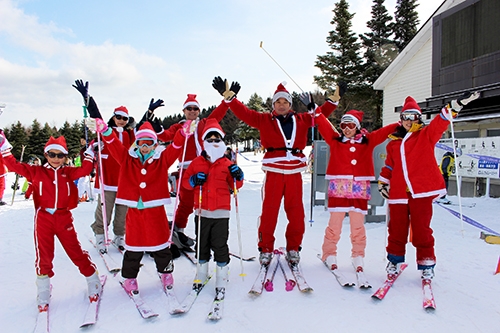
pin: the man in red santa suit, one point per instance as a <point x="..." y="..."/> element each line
<point x="143" y="188"/>
<point x="54" y="196"/>
<point x="413" y="176"/>
<point x="283" y="133"/>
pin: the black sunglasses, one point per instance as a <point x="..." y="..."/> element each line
<point x="213" y="140"/>
<point x="119" y="117"/>
<point x="54" y="155"/>
<point x="192" y="109"/>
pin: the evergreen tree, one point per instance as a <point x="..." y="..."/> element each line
<point x="17" y="137"/>
<point x="72" y="138"/>
<point x="379" y="52"/>
<point x="343" y="62"/>
<point x="406" y="21"/>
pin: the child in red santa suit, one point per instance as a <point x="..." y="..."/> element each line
<point x="349" y="172"/>
<point x="143" y="188"/>
<point x="54" y="196"/>
<point x="216" y="177"/>
<point x="193" y="148"/>
<point x="413" y="176"/>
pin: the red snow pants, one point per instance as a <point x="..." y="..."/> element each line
<point x="186" y="203"/>
<point x="277" y="186"/>
<point x="60" y="225"/>
<point x="417" y="214"/>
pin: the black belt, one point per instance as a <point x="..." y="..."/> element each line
<point x="293" y="150"/>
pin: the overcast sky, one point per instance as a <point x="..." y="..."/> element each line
<point x="132" y="51"/>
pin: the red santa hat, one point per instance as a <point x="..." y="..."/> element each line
<point x="281" y="92"/>
<point x="212" y="125"/>
<point x="122" y="111"/>
<point x="58" y="144"/>
<point x="411" y="106"/>
<point x="146" y="132"/>
<point x="191" y="100"/>
<point x="353" y="116"/>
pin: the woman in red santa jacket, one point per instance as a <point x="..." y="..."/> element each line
<point x="283" y="133"/>
<point x="415" y="181"/>
<point x="121" y="124"/>
<point x="143" y="188"/>
<point x="54" y="196"/>
<point x="350" y="170"/>
<point x="216" y="177"/>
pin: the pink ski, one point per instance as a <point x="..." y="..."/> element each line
<point x="428" y="301"/>
<point x="382" y="291"/>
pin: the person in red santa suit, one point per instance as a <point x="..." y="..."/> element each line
<point x="414" y="179"/>
<point x="122" y="125"/>
<point x="283" y="133"/>
<point x="216" y="177"/>
<point x="193" y="148"/>
<point x="3" y="174"/>
<point x="54" y="196"/>
<point x="143" y="188"/>
<point x="349" y="172"/>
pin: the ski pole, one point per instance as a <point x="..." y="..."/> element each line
<point x="17" y="176"/>
<point x="263" y="49"/>
<point x="103" y="196"/>
<point x="238" y="227"/>
<point x="85" y="116"/>
<point x="179" y="185"/>
<point x="455" y="156"/>
<point x="197" y="279"/>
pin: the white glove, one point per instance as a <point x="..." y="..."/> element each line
<point x="4" y="143"/>
<point x="458" y="104"/>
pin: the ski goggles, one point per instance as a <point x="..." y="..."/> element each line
<point x="410" y="116"/>
<point x="348" y="125"/>
<point x="58" y="155"/>
<point x="145" y="143"/>
<point x="120" y="117"/>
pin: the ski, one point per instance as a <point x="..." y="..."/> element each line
<point x="428" y="300"/>
<point x="242" y="258"/>
<point x="341" y="279"/>
<point x="109" y="262"/>
<point x="217" y="305"/>
<point x="297" y="274"/>
<point x="93" y="308"/>
<point x="273" y="267"/>
<point x="173" y="303"/>
<point x="145" y="310"/>
<point x="382" y="291"/>
<point x="188" y="302"/>
<point x="362" y="281"/>
<point x="42" y="319"/>
<point x="289" y="281"/>
<point x="190" y="255"/>
<point x="258" y="285"/>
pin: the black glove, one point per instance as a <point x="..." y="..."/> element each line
<point x="219" y="84"/>
<point x="383" y="188"/>
<point x="342" y="88"/>
<point x="307" y="99"/>
<point x="236" y="172"/>
<point x="154" y="105"/>
<point x="199" y="179"/>
<point x="93" y="109"/>
<point x="82" y="88"/>
<point x="235" y="87"/>
<point x="156" y="123"/>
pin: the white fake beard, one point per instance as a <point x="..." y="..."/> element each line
<point x="214" y="150"/>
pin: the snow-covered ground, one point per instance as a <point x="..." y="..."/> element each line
<point x="466" y="290"/>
